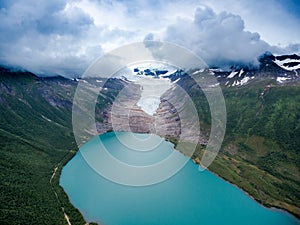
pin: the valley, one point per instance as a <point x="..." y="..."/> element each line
<point x="260" y="153"/>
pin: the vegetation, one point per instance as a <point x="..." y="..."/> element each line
<point x="261" y="150"/>
<point x="36" y="136"/>
<point x="260" y="153"/>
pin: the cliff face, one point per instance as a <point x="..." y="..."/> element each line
<point x="260" y="152"/>
<point x="125" y="115"/>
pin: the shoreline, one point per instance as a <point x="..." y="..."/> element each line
<point x="197" y="162"/>
<point x="267" y="206"/>
<point x="273" y="208"/>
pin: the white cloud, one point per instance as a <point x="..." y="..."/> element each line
<point x="54" y="38"/>
<point x="218" y="38"/>
<point x="65" y="36"/>
<point x="272" y="19"/>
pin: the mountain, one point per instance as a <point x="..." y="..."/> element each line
<point x="282" y="69"/>
<point x="36" y="141"/>
<point x="274" y="67"/>
<point x="260" y="153"/>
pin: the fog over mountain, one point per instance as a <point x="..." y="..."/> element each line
<point x="64" y="37"/>
<point x="220" y="39"/>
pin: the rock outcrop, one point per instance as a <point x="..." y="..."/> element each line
<point x="125" y="115"/>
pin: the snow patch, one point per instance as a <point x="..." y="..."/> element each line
<point x="214" y="85"/>
<point x="245" y="80"/>
<point x="199" y="71"/>
<point x="176" y="80"/>
<point x="236" y="83"/>
<point x="216" y="70"/>
<point x="282" y="79"/>
<point x="170" y="72"/>
<point x="232" y="74"/>
<point x="281" y="62"/>
<point x="241" y="72"/>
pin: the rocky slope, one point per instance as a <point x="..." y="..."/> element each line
<point x="260" y="153"/>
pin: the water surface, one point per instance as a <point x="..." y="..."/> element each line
<point x="190" y="197"/>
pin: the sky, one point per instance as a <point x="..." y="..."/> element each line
<point x="65" y="36"/>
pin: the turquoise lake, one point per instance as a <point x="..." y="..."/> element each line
<point x="190" y="197"/>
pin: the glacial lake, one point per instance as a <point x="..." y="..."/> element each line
<point x="190" y="197"/>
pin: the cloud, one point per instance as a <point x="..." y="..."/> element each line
<point x="149" y="37"/>
<point x="66" y="21"/>
<point x="219" y="39"/>
<point x="52" y="37"/>
<point x="43" y="36"/>
<point x="276" y="21"/>
<point x="65" y="36"/>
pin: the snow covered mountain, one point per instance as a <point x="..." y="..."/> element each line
<point x="282" y="69"/>
<point x="288" y="62"/>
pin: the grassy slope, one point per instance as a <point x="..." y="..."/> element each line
<point x="30" y="148"/>
<point x="256" y="155"/>
<point x="260" y="153"/>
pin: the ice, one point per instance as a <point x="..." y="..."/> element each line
<point x="241" y="72"/>
<point x="282" y="79"/>
<point x="169" y="73"/>
<point x="152" y="87"/>
<point x="245" y="80"/>
<point x="199" y="71"/>
<point x="214" y="85"/>
<point x="232" y="74"/>
<point x="236" y="83"/>
<point x="280" y="63"/>
<point x="152" y="90"/>
<point x="176" y="80"/>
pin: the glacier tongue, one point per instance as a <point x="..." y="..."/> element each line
<point x="152" y="90"/>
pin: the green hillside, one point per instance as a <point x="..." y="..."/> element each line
<point x="36" y="136"/>
<point x="260" y="153"/>
<point x="261" y="150"/>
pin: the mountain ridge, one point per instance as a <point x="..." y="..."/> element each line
<point x="269" y="64"/>
<point x="260" y="153"/>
